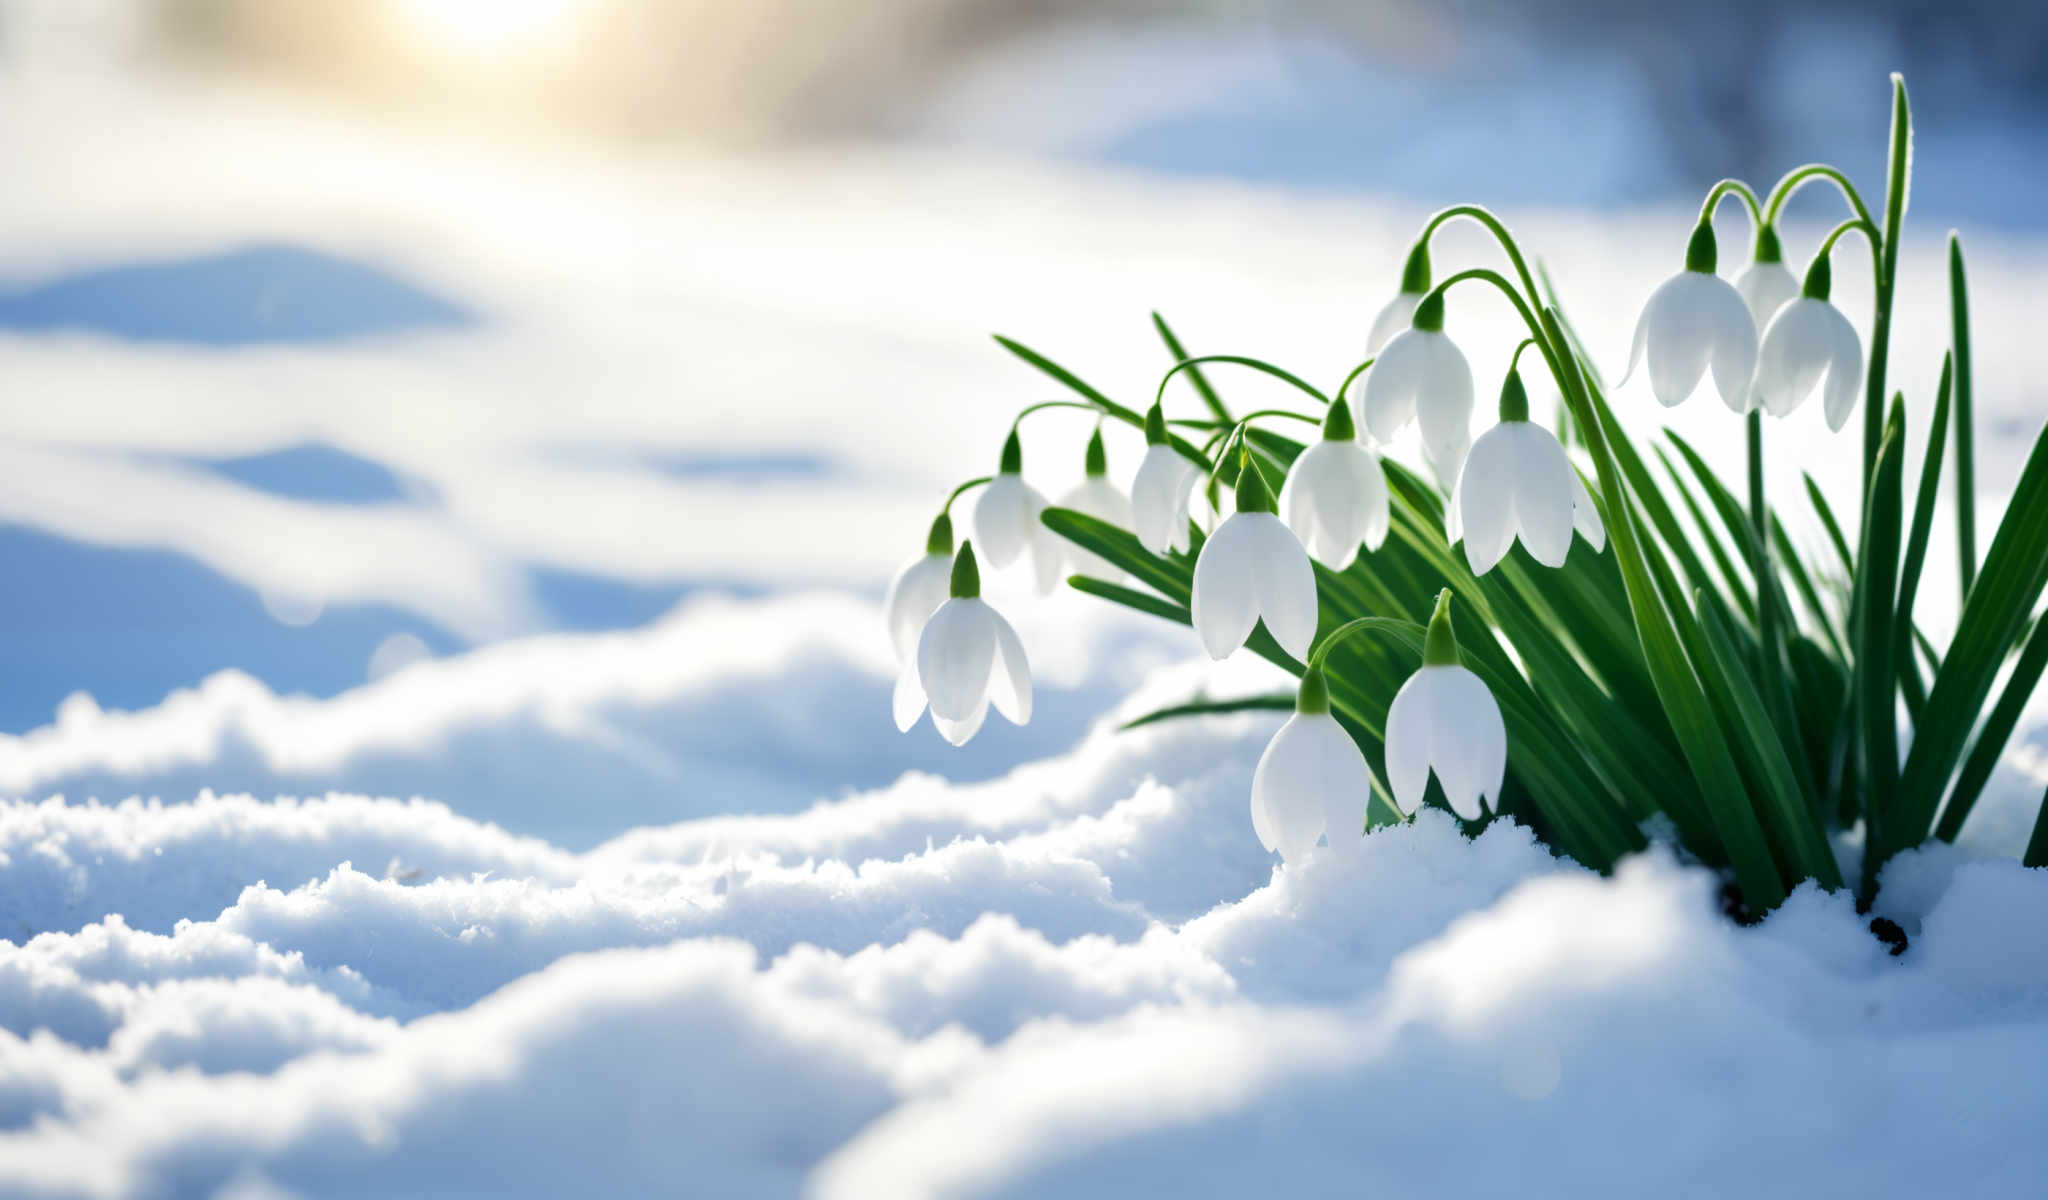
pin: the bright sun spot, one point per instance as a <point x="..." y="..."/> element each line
<point x="489" y="27"/>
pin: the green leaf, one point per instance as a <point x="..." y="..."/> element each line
<point x="1916" y="546"/>
<point x="1195" y="376"/>
<point x="1085" y="390"/>
<point x="1966" y="430"/>
<point x="2037" y="845"/>
<point x="1875" y="672"/>
<point x="1277" y="702"/>
<point x="1997" y="730"/>
<point x="2014" y="571"/>
<point x="1828" y="522"/>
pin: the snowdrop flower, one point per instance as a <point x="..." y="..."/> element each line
<point x="1400" y="311"/>
<point x="1312" y="780"/>
<point x="1443" y="719"/>
<point x="1810" y="338"/>
<point x="968" y="657"/>
<point x="1422" y="376"/>
<point x="1096" y="496"/>
<point x="1335" y="496"/>
<point x="1693" y="318"/>
<point x="919" y="588"/>
<point x="1518" y="482"/>
<point x="1160" y="493"/>
<point x="1251" y="567"/>
<point x="1006" y="520"/>
<point x="1767" y="284"/>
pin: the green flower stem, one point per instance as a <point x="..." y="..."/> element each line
<point x="1242" y="361"/>
<point x="1799" y="177"/>
<point x="1195" y="376"/>
<point x="975" y="482"/>
<point x="1739" y="189"/>
<point x="1769" y="642"/>
<point x="1204" y="423"/>
<point x="1888" y="275"/>
<point x="1553" y="355"/>
<point x="1485" y="217"/>
<point x="1402" y="631"/>
<point x="1344" y="388"/>
<point x="1042" y="405"/>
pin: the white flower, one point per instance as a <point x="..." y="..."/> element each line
<point x="967" y="658"/>
<point x="1335" y="496"/>
<point x="1312" y="780"/>
<point x="1444" y="719"/>
<point x="1096" y="496"/>
<point x="1392" y="320"/>
<point x="1161" y="490"/>
<point x="916" y="592"/>
<point x="1765" y="288"/>
<point x="1693" y="318"/>
<point x="1007" y="524"/>
<point x="1251" y="567"/>
<point x="1518" y="481"/>
<point x="1421" y="376"/>
<point x="1810" y="338"/>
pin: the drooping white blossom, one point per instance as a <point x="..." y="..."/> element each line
<point x="1335" y="495"/>
<point x="1007" y="522"/>
<point x="1161" y="491"/>
<point x="1444" y="720"/>
<point x="1392" y="319"/>
<point x="1096" y="496"/>
<point x="1765" y="288"/>
<point x="1421" y="376"/>
<point x="1695" y="319"/>
<point x="1807" y="341"/>
<point x="1253" y="567"/>
<point x="1518" y="482"/>
<point x="968" y="658"/>
<point x="1312" y="780"/>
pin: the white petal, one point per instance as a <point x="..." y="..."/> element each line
<point x="1408" y="734"/>
<point x="957" y="732"/>
<point x="914" y="595"/>
<point x="1098" y="498"/>
<point x="1586" y="515"/>
<point x="955" y="656"/>
<point x="1375" y="502"/>
<point x="1335" y="498"/>
<point x="1680" y="338"/>
<point x="1009" y="682"/>
<point x="907" y="702"/>
<point x="1486" y="498"/>
<point x="1005" y="514"/>
<point x="1766" y="288"/>
<point x="1159" y="499"/>
<point x="1391" y="384"/>
<point x="1284" y="581"/>
<point x="1392" y="319"/>
<point x="1310" y="770"/>
<point x="1734" y="336"/>
<point x="1443" y="406"/>
<point x="1225" y="603"/>
<point x="1454" y="521"/>
<point x="1845" y="369"/>
<point x="1468" y="743"/>
<point x="1049" y="553"/>
<point x="1543" y="493"/>
<point x="1638" y="343"/>
<point x="1794" y="355"/>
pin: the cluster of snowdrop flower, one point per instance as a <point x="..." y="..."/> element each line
<point x="1768" y="340"/>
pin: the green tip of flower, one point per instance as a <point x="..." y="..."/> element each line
<point x="966" y="576"/>
<point x="1155" y="425"/>
<point x="1820" y="279"/>
<point x="1338" y="426"/>
<point x="1440" y="646"/>
<point x="1313" y="697"/>
<point x="1429" y="315"/>
<point x="1768" y="248"/>
<point x="1098" y="458"/>
<point x="940" y="539"/>
<point x="1253" y="495"/>
<point x="1702" y="254"/>
<point x="1013" y="455"/>
<point x="1415" y="275"/>
<point x="1514" y="398"/>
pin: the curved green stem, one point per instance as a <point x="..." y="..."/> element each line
<point x="976" y="482"/>
<point x="1242" y="361"/>
<point x="1201" y="423"/>
<point x="1553" y="356"/>
<point x="1485" y="217"/>
<point x="1853" y="225"/>
<point x="1344" y="388"/>
<point x="1406" y="630"/>
<point x="1097" y="409"/>
<point x="1737" y="188"/>
<point x="1799" y="177"/>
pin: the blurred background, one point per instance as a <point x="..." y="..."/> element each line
<point x="357" y="357"/>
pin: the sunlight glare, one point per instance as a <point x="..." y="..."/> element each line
<point x="486" y="28"/>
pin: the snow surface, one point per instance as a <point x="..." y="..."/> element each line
<point x="1082" y="977"/>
